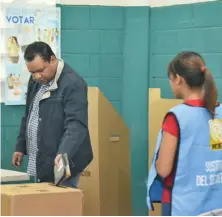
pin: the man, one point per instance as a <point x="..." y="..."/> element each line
<point x="56" y="117"/>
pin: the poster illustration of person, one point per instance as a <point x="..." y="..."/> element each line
<point x="25" y="25"/>
<point x="13" y="49"/>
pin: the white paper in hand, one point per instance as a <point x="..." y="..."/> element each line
<point x="59" y="172"/>
<point x="61" y="165"/>
<point x="62" y="172"/>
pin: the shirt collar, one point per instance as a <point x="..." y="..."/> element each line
<point x="60" y="67"/>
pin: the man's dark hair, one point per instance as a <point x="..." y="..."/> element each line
<point x="38" y="48"/>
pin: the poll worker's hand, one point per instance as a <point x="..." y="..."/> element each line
<point x="17" y="159"/>
<point x="56" y="161"/>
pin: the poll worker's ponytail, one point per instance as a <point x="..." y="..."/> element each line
<point x="191" y="66"/>
<point x="210" y="92"/>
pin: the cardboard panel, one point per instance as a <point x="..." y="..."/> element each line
<point x="158" y="108"/>
<point x="157" y="210"/>
<point x="106" y="182"/>
<point x="40" y="200"/>
<point x="89" y="181"/>
<point x="114" y="161"/>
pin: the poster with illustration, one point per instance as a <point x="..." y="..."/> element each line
<point x="24" y="25"/>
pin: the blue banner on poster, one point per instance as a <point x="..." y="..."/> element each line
<point x="24" y="25"/>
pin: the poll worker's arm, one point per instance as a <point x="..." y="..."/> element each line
<point x="20" y="147"/>
<point x="76" y="119"/>
<point x="168" y="147"/>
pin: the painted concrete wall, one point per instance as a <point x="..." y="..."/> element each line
<point x="124" y="51"/>
<point x="195" y="27"/>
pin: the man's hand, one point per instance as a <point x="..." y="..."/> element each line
<point x="56" y="161"/>
<point x="17" y="159"/>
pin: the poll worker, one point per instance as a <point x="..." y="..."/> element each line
<point x="188" y="155"/>
<point x="56" y="117"/>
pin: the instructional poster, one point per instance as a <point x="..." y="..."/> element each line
<point x="22" y="26"/>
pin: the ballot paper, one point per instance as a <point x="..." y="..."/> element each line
<point x="62" y="172"/>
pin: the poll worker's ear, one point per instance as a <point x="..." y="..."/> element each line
<point x="178" y="79"/>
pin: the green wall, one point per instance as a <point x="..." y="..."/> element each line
<point x="10" y="121"/>
<point x="135" y="99"/>
<point x="195" y="27"/>
<point x="92" y="43"/>
<point x="124" y="50"/>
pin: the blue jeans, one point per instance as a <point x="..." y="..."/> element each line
<point x="72" y="182"/>
<point x="166" y="209"/>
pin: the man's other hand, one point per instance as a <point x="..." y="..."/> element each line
<point x="17" y="159"/>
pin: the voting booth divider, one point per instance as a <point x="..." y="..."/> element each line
<point x="158" y="108"/>
<point x="106" y="183"/>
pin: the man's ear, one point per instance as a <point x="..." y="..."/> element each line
<point x="53" y="59"/>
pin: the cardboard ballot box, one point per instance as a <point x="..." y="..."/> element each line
<point x="158" y="108"/>
<point x="106" y="183"/>
<point x="41" y="199"/>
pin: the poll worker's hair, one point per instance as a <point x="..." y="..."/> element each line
<point x="38" y="48"/>
<point x="191" y="66"/>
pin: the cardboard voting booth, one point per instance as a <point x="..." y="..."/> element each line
<point x="106" y="182"/>
<point x="158" y="108"/>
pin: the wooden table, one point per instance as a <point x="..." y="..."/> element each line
<point x="13" y="176"/>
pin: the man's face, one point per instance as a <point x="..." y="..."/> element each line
<point x="41" y="70"/>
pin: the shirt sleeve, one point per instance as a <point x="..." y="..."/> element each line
<point x="170" y="125"/>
